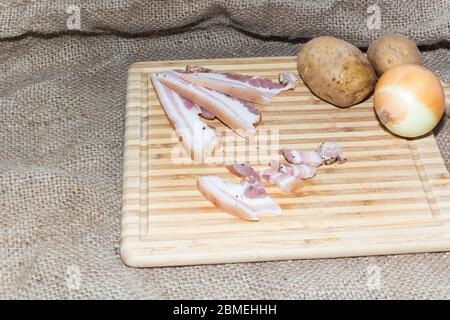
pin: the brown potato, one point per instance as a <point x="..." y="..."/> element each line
<point x="392" y="50"/>
<point x="336" y="71"/>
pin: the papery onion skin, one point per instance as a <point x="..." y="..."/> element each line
<point x="409" y="100"/>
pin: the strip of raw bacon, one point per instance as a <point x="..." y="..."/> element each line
<point x="231" y="198"/>
<point x="245" y="87"/>
<point x="328" y="152"/>
<point x="198" y="139"/>
<point x="238" y="115"/>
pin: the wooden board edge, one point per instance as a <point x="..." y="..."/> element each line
<point x="133" y="257"/>
<point x="131" y="185"/>
<point x="142" y="65"/>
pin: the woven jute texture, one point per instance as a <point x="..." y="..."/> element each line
<point x="62" y="99"/>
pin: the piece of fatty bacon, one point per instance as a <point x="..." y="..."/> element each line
<point x="247" y="200"/>
<point x="327" y="153"/>
<point x="288" y="177"/>
<point x="240" y="116"/>
<point x="245" y="87"/>
<point x="198" y="139"/>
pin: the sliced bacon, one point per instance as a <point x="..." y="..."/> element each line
<point x="286" y="182"/>
<point x="328" y="152"/>
<point x="239" y="115"/>
<point x="302" y="165"/>
<point x="331" y="152"/>
<point x="288" y="177"/>
<point x="309" y="158"/>
<point x="245" y="87"/>
<point x="244" y="171"/>
<point x="198" y="139"/>
<point x="300" y="171"/>
<point x="232" y="198"/>
<point x="255" y="188"/>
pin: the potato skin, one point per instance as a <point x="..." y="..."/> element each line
<point x="336" y="71"/>
<point x="392" y="50"/>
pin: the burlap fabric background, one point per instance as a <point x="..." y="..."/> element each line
<point x="62" y="99"/>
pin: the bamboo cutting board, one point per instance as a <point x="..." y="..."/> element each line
<point x="391" y="196"/>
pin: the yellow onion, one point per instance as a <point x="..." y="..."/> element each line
<point x="409" y="100"/>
